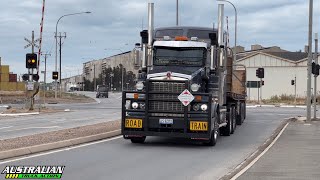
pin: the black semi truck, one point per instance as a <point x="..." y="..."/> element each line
<point x="187" y="86"/>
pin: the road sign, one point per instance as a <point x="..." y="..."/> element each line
<point x="30" y="86"/>
<point x="186" y="97"/>
<point x="31" y="43"/>
<point x="253" y="84"/>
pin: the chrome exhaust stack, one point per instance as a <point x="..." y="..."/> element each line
<point x="150" y="33"/>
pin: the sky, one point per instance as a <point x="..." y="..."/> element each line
<point x="114" y="25"/>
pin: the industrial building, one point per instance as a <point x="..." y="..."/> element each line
<point x="92" y="69"/>
<point x="280" y="67"/>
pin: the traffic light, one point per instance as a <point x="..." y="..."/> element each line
<point x="55" y="75"/>
<point x="31" y="61"/>
<point x="262" y="83"/>
<point x="35" y="77"/>
<point x="292" y="82"/>
<point x="260" y="73"/>
<point x="315" y="69"/>
<point x="25" y="77"/>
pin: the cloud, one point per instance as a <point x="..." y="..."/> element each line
<point x="115" y="23"/>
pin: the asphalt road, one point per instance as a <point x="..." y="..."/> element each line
<point x="106" y="109"/>
<point x="163" y="158"/>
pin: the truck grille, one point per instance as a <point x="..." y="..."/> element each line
<point x="163" y="87"/>
<point x="173" y="87"/>
<point x="166" y="106"/>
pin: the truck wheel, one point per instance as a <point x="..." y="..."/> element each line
<point x="245" y="110"/>
<point x="243" y="116"/>
<point x="214" y="134"/>
<point x="226" y="131"/>
<point x="139" y="140"/>
<point x="239" y="116"/>
<point x="233" y="116"/>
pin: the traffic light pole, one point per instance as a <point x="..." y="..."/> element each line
<point x="31" y="77"/>
<point x="295" y="91"/>
<point x="260" y="91"/>
<point x="309" y="61"/>
<point x="315" y="77"/>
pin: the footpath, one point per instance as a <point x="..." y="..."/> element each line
<point x="294" y="156"/>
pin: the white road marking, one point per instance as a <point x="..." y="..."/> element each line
<point x="20" y="114"/>
<point x="60" y="150"/>
<point x="257" y="158"/>
<point x="49" y="127"/>
<point x="6" y="127"/>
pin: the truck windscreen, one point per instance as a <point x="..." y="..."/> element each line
<point x="171" y="56"/>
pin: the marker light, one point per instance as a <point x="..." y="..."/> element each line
<point x="181" y="38"/>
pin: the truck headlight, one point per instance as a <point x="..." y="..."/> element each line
<point x="196" y="107"/>
<point x="204" y="107"/>
<point x="135" y="105"/>
<point x="139" y="85"/>
<point x="195" y="87"/>
<point x="143" y="106"/>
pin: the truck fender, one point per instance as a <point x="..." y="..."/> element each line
<point x="215" y="108"/>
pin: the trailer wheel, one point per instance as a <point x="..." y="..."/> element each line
<point x="243" y="112"/>
<point x="239" y="116"/>
<point x="214" y="134"/>
<point x="139" y="140"/>
<point x="233" y="116"/>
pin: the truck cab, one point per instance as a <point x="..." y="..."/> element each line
<point x="182" y="89"/>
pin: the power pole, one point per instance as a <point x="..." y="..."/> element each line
<point x="94" y="77"/>
<point x="315" y="76"/>
<point x="60" y="47"/>
<point x="45" y="77"/>
<point x="309" y="61"/>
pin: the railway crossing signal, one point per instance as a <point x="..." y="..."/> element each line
<point x="31" y="61"/>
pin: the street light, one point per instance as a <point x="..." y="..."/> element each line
<point x="56" y="57"/>
<point x="235" y="29"/>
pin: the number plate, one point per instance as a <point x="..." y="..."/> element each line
<point x="133" y="123"/>
<point x="198" y="126"/>
<point x="165" y="121"/>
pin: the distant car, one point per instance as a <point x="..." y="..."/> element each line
<point x="74" y="89"/>
<point x="102" y="91"/>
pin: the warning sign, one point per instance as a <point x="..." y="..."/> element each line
<point x="186" y="97"/>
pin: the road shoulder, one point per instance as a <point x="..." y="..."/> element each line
<point x="57" y="139"/>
